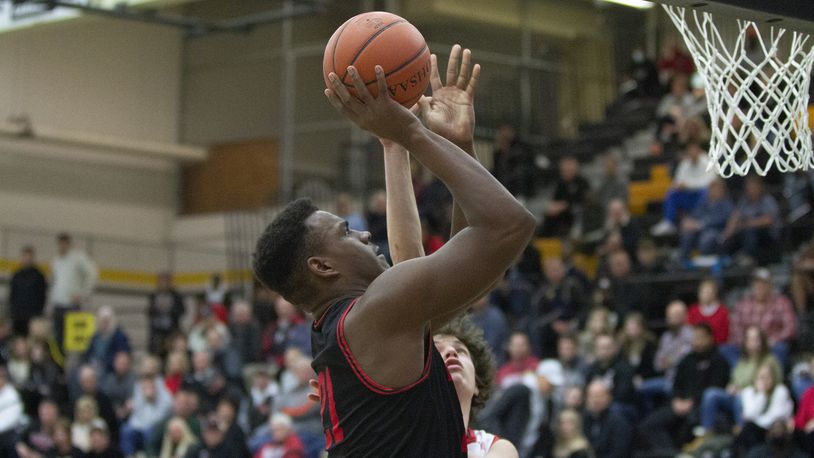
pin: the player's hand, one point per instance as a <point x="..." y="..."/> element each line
<point x="314" y="396"/>
<point x="450" y="112"/>
<point x="382" y="116"/>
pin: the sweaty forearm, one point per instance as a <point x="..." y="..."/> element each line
<point x="483" y="200"/>
<point x="403" y="224"/>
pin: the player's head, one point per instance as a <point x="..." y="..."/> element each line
<point x="468" y="359"/>
<point x="308" y="255"/>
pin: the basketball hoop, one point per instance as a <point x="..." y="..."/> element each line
<point x="757" y="84"/>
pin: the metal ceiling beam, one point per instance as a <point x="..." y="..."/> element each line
<point x="194" y="27"/>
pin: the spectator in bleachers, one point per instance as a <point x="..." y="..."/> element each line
<point x="770" y="311"/>
<point x="727" y="401"/>
<point x="802" y="279"/>
<point x="45" y="379"/>
<point x="225" y="357"/>
<point x="521" y="361"/>
<point x="804" y="420"/>
<point x="151" y="404"/>
<point x="176" y="369"/>
<point x="101" y="445"/>
<point x="492" y="322"/>
<point x="764" y="402"/>
<point x="203" y="378"/>
<point x="108" y="340"/>
<point x="19" y="362"/>
<point x="620" y="225"/>
<point x="216" y="299"/>
<point x="612" y="185"/>
<point x="558" y="306"/>
<point x="704" y="227"/>
<point x="178" y="440"/>
<point x="668" y="112"/>
<point x="284" y="441"/>
<point x="263" y="305"/>
<point x="513" y="162"/>
<point x="120" y="384"/>
<point x="63" y="443"/>
<point x="86" y="410"/>
<point x="226" y="410"/>
<point x="164" y="313"/>
<point x="674" y="344"/>
<point x="599" y="322"/>
<point x="674" y="61"/>
<point x="11" y="413"/>
<point x="643" y="72"/>
<point x="753" y="229"/>
<point x="73" y="279"/>
<point x="6" y="336"/>
<point x="652" y="297"/>
<point x="185" y="405"/>
<point x="615" y="372"/>
<point x="570" y="195"/>
<point x="570" y="441"/>
<point x="345" y="209"/>
<point x="710" y="310"/>
<point x="263" y="390"/>
<point x="296" y="404"/>
<point x="245" y="333"/>
<point x="89" y="388"/>
<point x="622" y="295"/>
<point x="638" y="347"/>
<point x="37" y="439"/>
<point x="687" y="189"/>
<point x="289" y="330"/>
<point x="608" y="432"/>
<point x="214" y="443"/>
<point x="27" y="292"/>
<point x="670" y="426"/>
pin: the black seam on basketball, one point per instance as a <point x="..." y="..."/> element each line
<point x="412" y="59"/>
<point x="336" y="44"/>
<point x="369" y="40"/>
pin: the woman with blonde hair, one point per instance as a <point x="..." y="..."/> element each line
<point x="599" y="322"/>
<point x="764" y="402"/>
<point x="570" y="441"/>
<point x="86" y="411"/>
<point x="178" y="439"/>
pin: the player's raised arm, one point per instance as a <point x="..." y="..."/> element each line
<point x="403" y="223"/>
<point x="408" y="296"/>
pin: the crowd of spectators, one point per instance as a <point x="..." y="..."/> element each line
<point x="603" y="363"/>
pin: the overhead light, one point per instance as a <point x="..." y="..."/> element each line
<point x="640" y="4"/>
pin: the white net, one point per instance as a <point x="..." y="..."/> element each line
<point x="757" y="85"/>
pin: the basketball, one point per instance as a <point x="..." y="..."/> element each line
<point x="379" y="38"/>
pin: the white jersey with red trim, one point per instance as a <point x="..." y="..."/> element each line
<point x="479" y="442"/>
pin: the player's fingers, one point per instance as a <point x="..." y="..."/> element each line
<point x="463" y="75"/>
<point x="452" y="65"/>
<point x="473" y="80"/>
<point x="314" y="397"/>
<point x="382" y="82"/>
<point x="337" y="103"/>
<point x="339" y="88"/>
<point x="361" y="90"/>
<point x="314" y="383"/>
<point x="435" y="77"/>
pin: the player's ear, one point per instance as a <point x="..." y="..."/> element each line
<point x="321" y="267"/>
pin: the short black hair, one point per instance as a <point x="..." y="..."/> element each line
<point x="280" y="254"/>
<point x="64" y="237"/>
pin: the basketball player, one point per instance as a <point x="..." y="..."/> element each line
<point x="385" y="388"/>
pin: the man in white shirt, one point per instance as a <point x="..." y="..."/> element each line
<point x="688" y="187"/>
<point x="73" y="279"/>
<point x="11" y="411"/>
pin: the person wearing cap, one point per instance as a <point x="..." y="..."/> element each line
<point x="768" y="310"/>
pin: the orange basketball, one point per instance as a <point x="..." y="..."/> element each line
<point x="380" y="38"/>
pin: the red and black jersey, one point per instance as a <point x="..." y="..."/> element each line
<point x="362" y="418"/>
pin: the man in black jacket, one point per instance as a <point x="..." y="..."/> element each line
<point x="26" y="293"/>
<point x="608" y="432"/>
<point x="614" y="371"/>
<point x="670" y="426"/>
